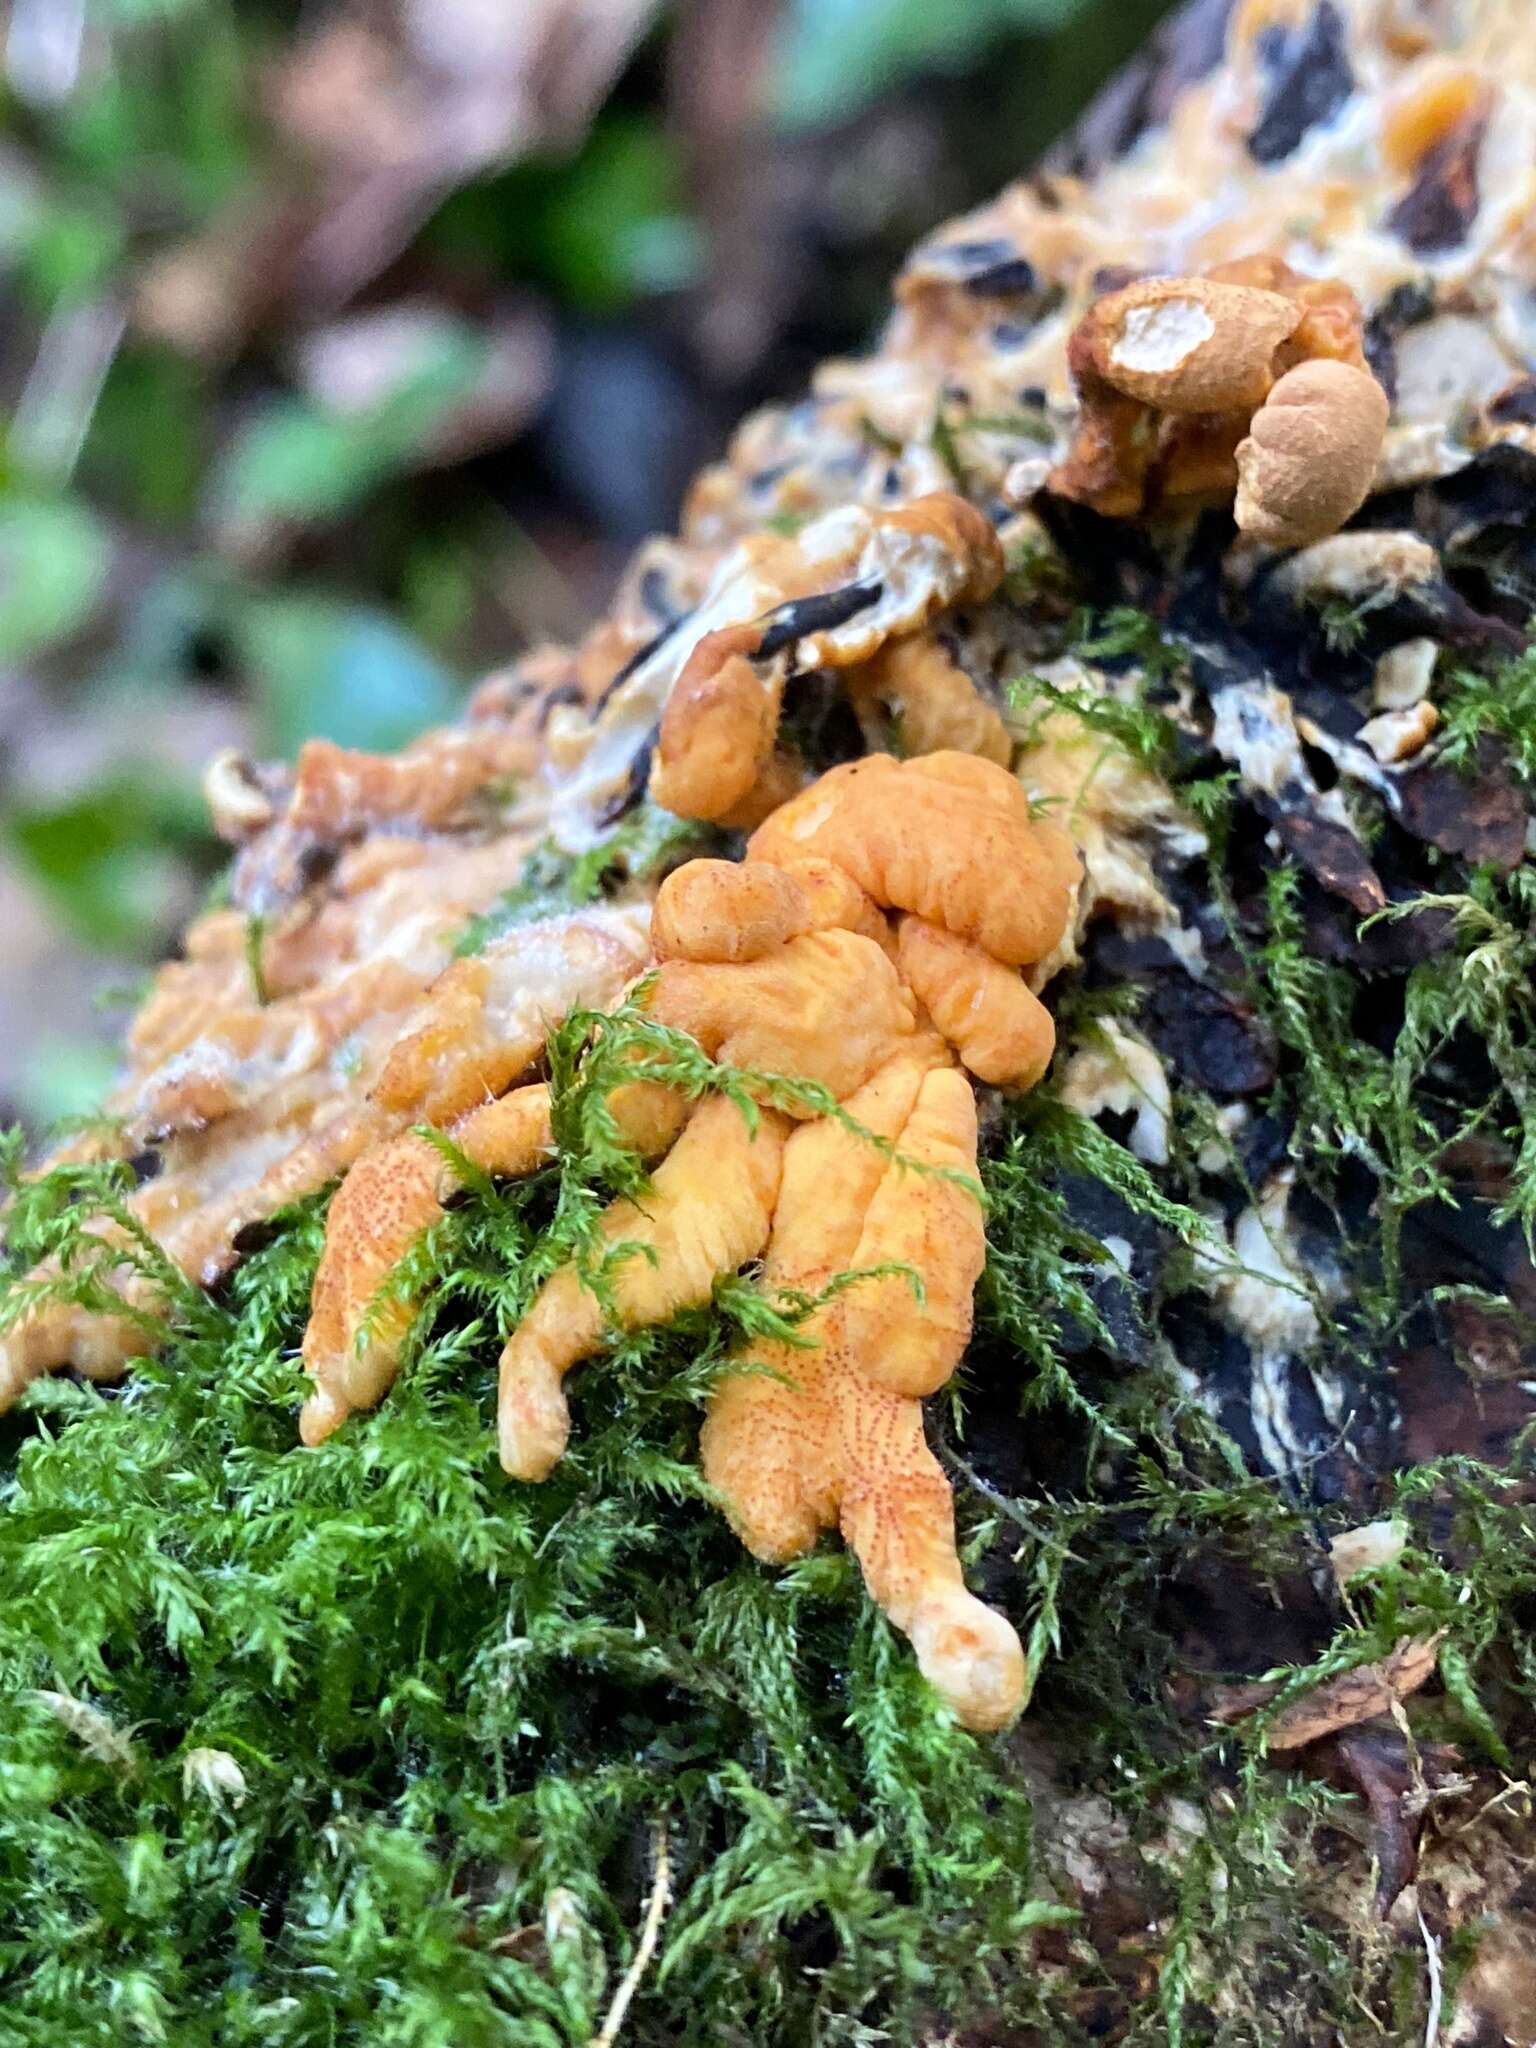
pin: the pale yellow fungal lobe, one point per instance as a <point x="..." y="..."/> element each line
<point x="1311" y="454"/>
<point x="237" y="803"/>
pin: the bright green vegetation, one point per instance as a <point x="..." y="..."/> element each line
<point x="1500" y="705"/>
<point x="465" y="1711"/>
<point x="462" y="1708"/>
<point x="1393" y="1108"/>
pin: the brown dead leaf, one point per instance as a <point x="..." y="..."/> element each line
<point x="1328" y="850"/>
<point x="1355" y="1696"/>
<point x="1231" y="1703"/>
<point x="1482" y="819"/>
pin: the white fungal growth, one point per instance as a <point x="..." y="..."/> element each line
<point x="1156" y="338"/>
<point x="1255" y="729"/>
<point x="1403" y="675"/>
<point x="99" y="1736"/>
<point x="1277" y="1302"/>
<point x="1121" y="1072"/>
<point x="1263" y="1292"/>
<point x="1366" y="1549"/>
<point x="214" y="1774"/>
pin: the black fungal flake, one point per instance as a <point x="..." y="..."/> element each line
<point x="1212" y="1039"/>
<point x="1496" y="488"/>
<point x="1438" y="209"/>
<point x="624" y="799"/>
<point x="1406" y="305"/>
<point x="1310" y="80"/>
<point x="638" y="659"/>
<point x="562" y="693"/>
<point x="988" y="266"/>
<point x="1517" y="405"/>
<point x="993" y="269"/>
<point x="823" y="612"/>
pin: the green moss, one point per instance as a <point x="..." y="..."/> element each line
<point x="463" y="1708"/>
<point x="1498" y="704"/>
<point x="1132" y="718"/>
<point x="1344" y="622"/>
<point x="1398" y="1109"/>
<point x="455" y="1700"/>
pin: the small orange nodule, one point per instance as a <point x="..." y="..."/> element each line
<point x="1424" y="117"/>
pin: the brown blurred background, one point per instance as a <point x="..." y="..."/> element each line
<point x="347" y="349"/>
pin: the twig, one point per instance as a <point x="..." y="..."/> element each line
<point x="1436" y="1983"/>
<point x="650" y="1931"/>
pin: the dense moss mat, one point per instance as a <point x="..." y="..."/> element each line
<point x="453" y="1718"/>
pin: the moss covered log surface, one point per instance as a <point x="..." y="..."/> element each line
<point x="368" y="1744"/>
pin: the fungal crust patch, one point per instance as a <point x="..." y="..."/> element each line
<point x="1160" y="337"/>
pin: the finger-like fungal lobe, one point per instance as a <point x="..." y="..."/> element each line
<point x="845" y="588"/>
<point x="364" y="1301"/>
<point x="1001" y="1030"/>
<point x="786" y="964"/>
<point x="708" y="1212"/>
<point x="719" y="725"/>
<point x="360" y="1312"/>
<point x="831" y="1434"/>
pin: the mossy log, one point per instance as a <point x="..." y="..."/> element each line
<point x="369" y="1744"/>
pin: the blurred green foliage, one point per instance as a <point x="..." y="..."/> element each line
<point x="100" y="855"/>
<point x="54" y="557"/>
<point x="207" y="534"/>
<point x="597" y="229"/>
<point x="835" y="56"/>
<point x="300" y="460"/>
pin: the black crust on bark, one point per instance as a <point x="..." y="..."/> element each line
<point x="1310" y="79"/>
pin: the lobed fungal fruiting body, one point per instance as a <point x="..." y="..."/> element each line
<point x="1310" y="454"/>
<point x="1250" y="377"/>
<point x="847" y="546"/>
<point x="843" y="589"/>
<point x="785" y="964"/>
